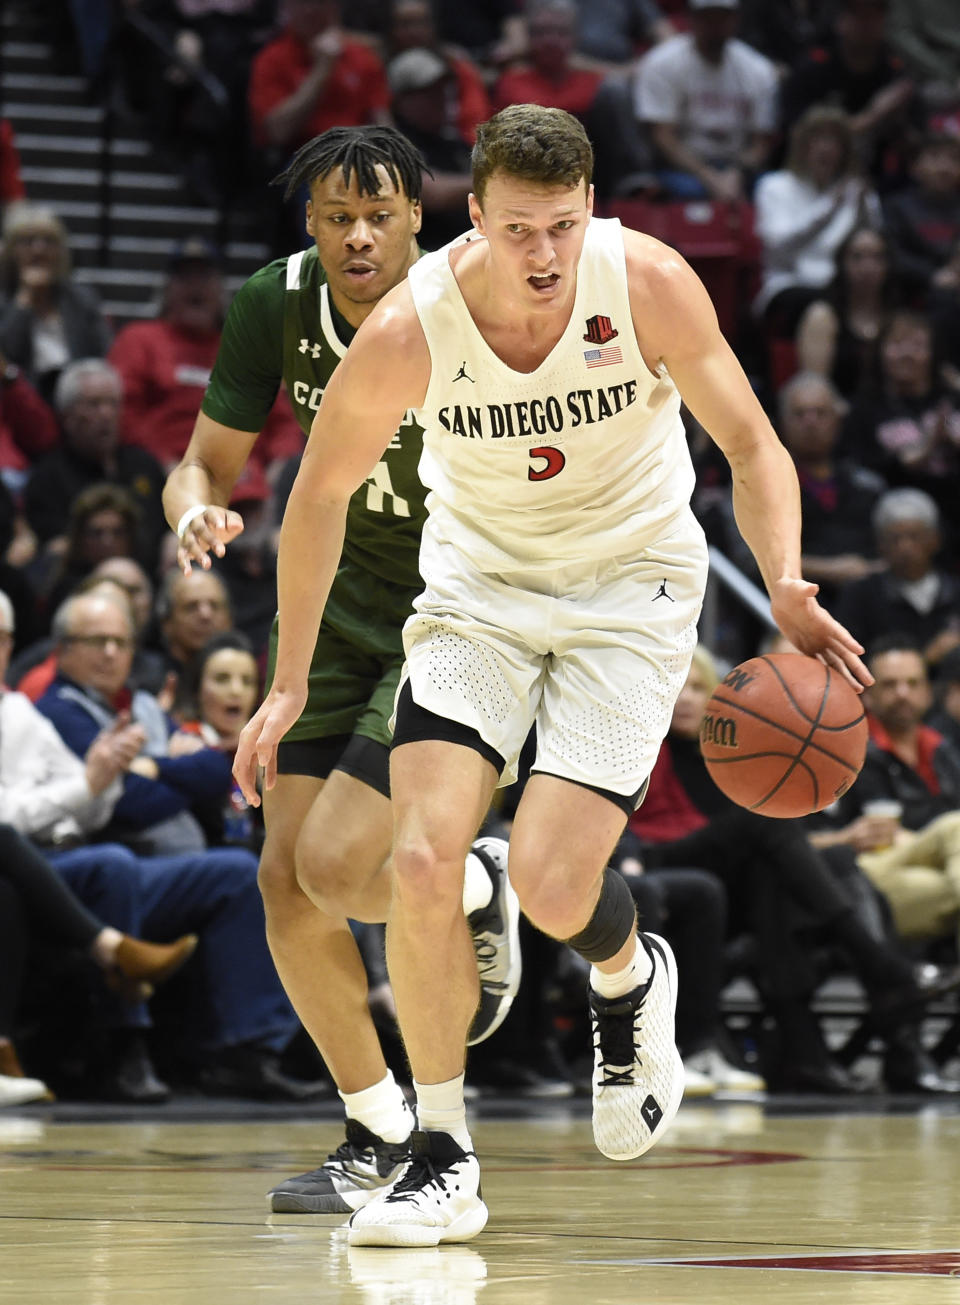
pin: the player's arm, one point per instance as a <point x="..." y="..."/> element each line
<point x="676" y="325"/>
<point x="201" y="484"/>
<point x="385" y="371"/>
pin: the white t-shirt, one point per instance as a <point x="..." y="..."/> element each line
<point x="787" y="205"/>
<point x="583" y="458"/>
<point x="716" y="108"/>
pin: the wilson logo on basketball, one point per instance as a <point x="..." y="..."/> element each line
<point x="720" y="731"/>
<point x="736" y="680"/>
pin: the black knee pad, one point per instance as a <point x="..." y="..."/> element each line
<point x="611" y="924"/>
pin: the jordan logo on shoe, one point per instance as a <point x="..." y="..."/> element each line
<point x="652" y="1114"/>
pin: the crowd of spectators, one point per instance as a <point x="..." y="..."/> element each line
<point x="826" y="135"/>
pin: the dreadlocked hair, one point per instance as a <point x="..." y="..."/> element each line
<point x="357" y="151"/>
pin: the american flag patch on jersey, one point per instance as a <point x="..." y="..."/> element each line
<point x="603" y="357"/>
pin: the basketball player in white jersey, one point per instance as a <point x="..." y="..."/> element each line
<point x="545" y="357"/>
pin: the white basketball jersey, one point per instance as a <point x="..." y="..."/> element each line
<point x="583" y="458"/>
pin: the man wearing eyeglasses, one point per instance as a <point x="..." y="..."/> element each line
<point x="182" y="879"/>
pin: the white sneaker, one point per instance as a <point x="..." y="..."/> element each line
<point x="360" y="1169"/>
<point x="495" y="930"/>
<point x="17" y="1091"/>
<point x="696" y="1083"/>
<point x="436" y="1199"/>
<point x="638" y="1073"/>
<point x="710" y="1063"/>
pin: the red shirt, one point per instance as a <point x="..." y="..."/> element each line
<point x="11" y="183"/>
<point x="165" y="373"/>
<point x="526" y="86"/>
<point x="355" y="92"/>
<point x="928" y="740"/>
<point x="28" y="428"/>
<point x="474" y="104"/>
<point x="667" y="812"/>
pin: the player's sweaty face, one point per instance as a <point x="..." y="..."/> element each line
<point x="366" y="243"/>
<point x="535" y="235"/>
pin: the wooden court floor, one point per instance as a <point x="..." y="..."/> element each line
<point x="740" y="1203"/>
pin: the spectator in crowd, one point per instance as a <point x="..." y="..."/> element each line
<point x="311" y="77"/>
<point x="17" y="549"/>
<point x="858" y="72"/>
<point x="611" y="31"/>
<point x="838" y="335"/>
<point x="191" y="609"/>
<point x="710" y="102"/>
<point x="908" y="428"/>
<point x="216" y="696"/>
<point x="923" y="220"/>
<point x="38" y="908"/>
<point x="837" y="495"/>
<point x="104" y="522"/>
<point x="925" y="35"/>
<point x="247" y="1017"/>
<point x="165" y="363"/>
<point x="913" y="858"/>
<point x="28" y="428"/>
<point x="11" y="182"/>
<point x="913" y="595"/>
<point x="491" y="31"/>
<point x="88" y="396"/>
<point x="46" y="319"/>
<point x="412" y="26"/>
<point x="550" y="75"/>
<point x="805" y="211"/>
<point x="420" y="81"/>
<point x="32" y="671"/>
<point x="95" y="641"/>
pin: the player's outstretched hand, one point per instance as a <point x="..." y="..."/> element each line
<point x="813" y="630"/>
<point x="260" y="738"/>
<point x="208" y="533"/>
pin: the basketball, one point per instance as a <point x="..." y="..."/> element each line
<point x="783" y="735"/>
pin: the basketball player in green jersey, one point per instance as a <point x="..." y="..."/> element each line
<point x="328" y="818"/>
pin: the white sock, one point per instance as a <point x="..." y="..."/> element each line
<point x="441" y="1109"/>
<point x="477" y="885"/>
<point x="381" y="1108"/>
<point x="103" y="949"/>
<point x="623" y="981"/>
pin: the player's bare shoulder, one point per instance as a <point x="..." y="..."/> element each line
<point x="392" y="348"/>
<point x="669" y="303"/>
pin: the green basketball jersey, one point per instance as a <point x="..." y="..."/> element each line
<point x="281" y="326"/>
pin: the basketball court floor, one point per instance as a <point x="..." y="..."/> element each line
<point x="792" y="1201"/>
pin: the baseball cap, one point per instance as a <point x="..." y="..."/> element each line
<point x="193" y="251"/>
<point x="415" y="70"/>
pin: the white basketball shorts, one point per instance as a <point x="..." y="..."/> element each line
<point x="594" y="654"/>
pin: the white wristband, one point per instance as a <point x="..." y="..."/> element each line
<point x="191" y="514"/>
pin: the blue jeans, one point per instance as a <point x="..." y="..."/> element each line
<point x="214" y="893"/>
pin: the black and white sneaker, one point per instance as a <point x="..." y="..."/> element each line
<point x="360" y="1168"/>
<point x="436" y="1199"/>
<point x="495" y="930"/>
<point x="638" y="1074"/>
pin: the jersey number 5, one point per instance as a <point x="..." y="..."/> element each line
<point x="554" y="463"/>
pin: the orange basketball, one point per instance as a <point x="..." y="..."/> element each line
<point x="783" y="735"/>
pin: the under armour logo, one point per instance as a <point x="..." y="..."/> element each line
<point x="462" y="375"/>
<point x="651" y="1112"/>
<point x="662" y="593"/>
<point x="313" y="349"/>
